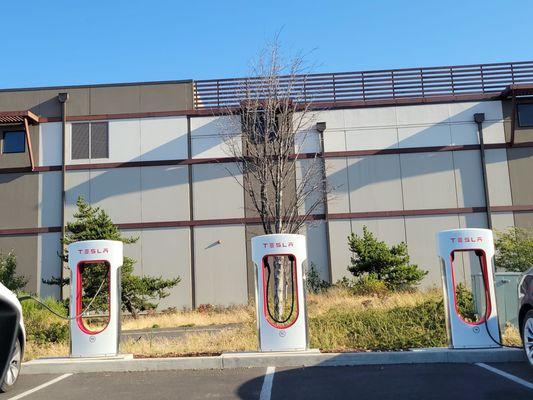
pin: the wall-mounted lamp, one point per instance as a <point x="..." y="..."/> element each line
<point x="62" y="97"/>
<point x="479" y="118"/>
<point x="321" y="127"/>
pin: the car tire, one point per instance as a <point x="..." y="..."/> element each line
<point x="13" y="371"/>
<point x="527" y="336"/>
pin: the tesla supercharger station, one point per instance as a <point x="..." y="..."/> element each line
<point x="285" y="331"/>
<point x="107" y="256"/>
<point x="474" y="247"/>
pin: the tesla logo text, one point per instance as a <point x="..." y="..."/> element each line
<point x="278" y="244"/>
<point x="94" y="251"/>
<point x="467" y="239"/>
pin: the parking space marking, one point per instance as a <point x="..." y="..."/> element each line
<point x="266" y="390"/>
<point x="37" y="388"/>
<point x="507" y="375"/>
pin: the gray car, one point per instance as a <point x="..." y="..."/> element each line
<point x="12" y="338"/>
<point x="525" y="314"/>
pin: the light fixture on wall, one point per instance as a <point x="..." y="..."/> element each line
<point x="321" y="127"/>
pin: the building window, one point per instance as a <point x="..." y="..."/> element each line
<point x="525" y="115"/>
<point x="14" y="142"/>
<point x="90" y="141"/>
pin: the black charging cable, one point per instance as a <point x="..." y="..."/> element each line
<point x="267" y="265"/>
<point x="82" y="314"/>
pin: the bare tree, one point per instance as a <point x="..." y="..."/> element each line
<point x="284" y="181"/>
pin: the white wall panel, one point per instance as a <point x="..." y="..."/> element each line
<point x="389" y="230"/>
<point x="339" y="230"/>
<point x="473" y="220"/>
<point x="118" y="192"/>
<point x="464" y="133"/>
<point x="77" y="184"/>
<point x="464" y="111"/>
<point x="317" y="249"/>
<point x="372" y="139"/>
<point x="334" y="140"/>
<point x="423" y="114"/>
<point x="49" y="208"/>
<point x="468" y="179"/>
<point x="208" y="135"/>
<point x="165" y="193"/>
<point x="307" y="141"/>
<point x="124" y="141"/>
<point x="48" y="247"/>
<point x="421" y="240"/>
<point x="163" y="138"/>
<point x="369" y="117"/>
<point x="334" y="119"/>
<point x="424" y="135"/>
<point x="134" y="250"/>
<point x="216" y="192"/>
<point x="337" y="177"/>
<point x="50" y="144"/>
<point x="374" y="183"/>
<point x="166" y="253"/>
<point x="502" y="220"/>
<point x="428" y="180"/>
<point x="311" y="170"/>
<point x="220" y="268"/>
<point x="498" y="177"/>
<point x="493" y="132"/>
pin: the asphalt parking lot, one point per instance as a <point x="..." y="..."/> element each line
<point x="412" y="381"/>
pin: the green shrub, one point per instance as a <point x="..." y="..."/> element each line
<point x="465" y="302"/>
<point x="514" y="249"/>
<point x="8" y="276"/>
<point x="314" y="283"/>
<point x="139" y="293"/>
<point x="41" y="325"/>
<point x="390" y="265"/>
<point x="398" y="328"/>
<point x="368" y="285"/>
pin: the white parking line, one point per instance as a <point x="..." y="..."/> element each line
<point x="507" y="375"/>
<point x="35" y="389"/>
<point x="266" y="390"/>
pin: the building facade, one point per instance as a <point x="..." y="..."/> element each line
<point x="401" y="148"/>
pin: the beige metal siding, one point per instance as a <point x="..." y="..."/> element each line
<point x="220" y="266"/>
<point x="428" y="181"/>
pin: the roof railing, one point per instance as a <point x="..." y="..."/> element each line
<point x="370" y="86"/>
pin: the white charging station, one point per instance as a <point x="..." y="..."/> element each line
<point x="454" y="246"/>
<point x="104" y="340"/>
<point x="287" y="332"/>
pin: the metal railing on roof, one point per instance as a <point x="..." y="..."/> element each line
<point x="372" y="86"/>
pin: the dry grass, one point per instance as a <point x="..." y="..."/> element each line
<point x="340" y="299"/>
<point x="244" y="337"/>
<point x="511" y="336"/>
<point x="34" y="350"/>
<point x="202" y="343"/>
<point x="202" y="317"/>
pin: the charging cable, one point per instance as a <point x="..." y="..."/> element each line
<point x="82" y="314"/>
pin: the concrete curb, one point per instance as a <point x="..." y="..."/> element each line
<point x="249" y="360"/>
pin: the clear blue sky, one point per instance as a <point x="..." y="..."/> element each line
<point x="58" y="42"/>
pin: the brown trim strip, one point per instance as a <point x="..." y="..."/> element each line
<point x="329" y="154"/>
<point x="28" y="140"/>
<point x="29" y="231"/>
<point x="256" y="220"/>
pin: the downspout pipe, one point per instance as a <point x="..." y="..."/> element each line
<point x="63" y="98"/>
<point x="479" y="118"/>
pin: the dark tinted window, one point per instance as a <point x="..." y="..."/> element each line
<point x="80" y="141"/>
<point x="99" y="140"/>
<point x="14" y="142"/>
<point x="525" y="115"/>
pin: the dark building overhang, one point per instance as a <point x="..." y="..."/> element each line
<point x="516" y="93"/>
<point x="25" y="118"/>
